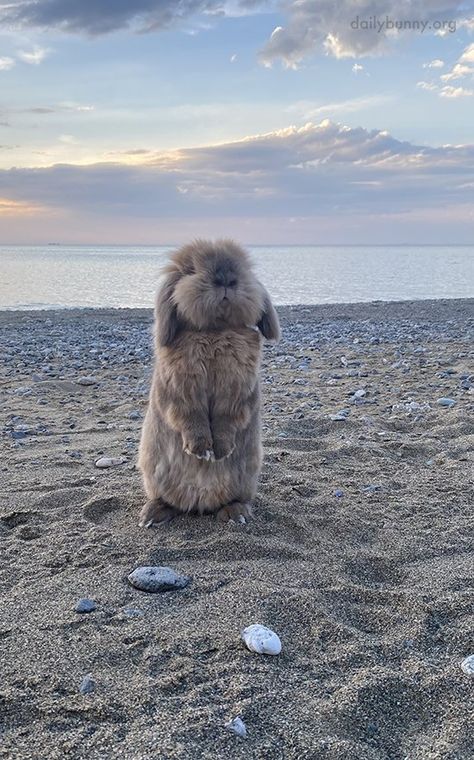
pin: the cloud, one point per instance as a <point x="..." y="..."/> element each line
<point x="319" y="169"/>
<point x="6" y="63"/>
<point x="455" y="92"/>
<point x="308" y="110"/>
<point x="352" y="28"/>
<point x="357" y="67"/>
<point x="104" y="16"/>
<point x="427" y="85"/>
<point x="12" y="208"/>
<point x="33" y="57"/>
<point x="464" y="66"/>
<point x="468" y="55"/>
<point x="59" y="108"/>
<point x="436" y="64"/>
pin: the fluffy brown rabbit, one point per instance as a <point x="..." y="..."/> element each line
<point x="200" y="448"/>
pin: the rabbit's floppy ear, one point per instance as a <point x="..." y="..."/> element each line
<point x="167" y="323"/>
<point x="268" y="323"/>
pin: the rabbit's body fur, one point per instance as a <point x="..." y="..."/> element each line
<point x="200" y="448"/>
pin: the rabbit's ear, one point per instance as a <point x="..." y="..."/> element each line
<point x="167" y="323"/>
<point x="268" y="324"/>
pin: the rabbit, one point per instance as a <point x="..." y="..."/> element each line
<point x="200" y="448"/>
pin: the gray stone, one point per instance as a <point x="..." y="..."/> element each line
<point x="85" y="605"/>
<point x="87" y="685"/>
<point x="154" y="579"/>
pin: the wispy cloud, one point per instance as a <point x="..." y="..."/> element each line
<point x="33" y="57"/>
<point x="6" y="63"/>
<point x="437" y="63"/>
<point x="456" y="92"/>
<point x="427" y="86"/>
<point x="308" y="110"/>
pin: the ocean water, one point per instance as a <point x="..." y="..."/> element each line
<point x="48" y="277"/>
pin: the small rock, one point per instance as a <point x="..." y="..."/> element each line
<point x="260" y="639"/>
<point x="87" y="686"/>
<point x="446" y="401"/>
<point x="105" y="462"/>
<point x="153" y="579"/>
<point x="85" y="605"/>
<point x="86" y="380"/>
<point x="237" y="725"/>
<point x="338" y="493"/>
<point x="372" y="488"/>
<point x="23" y="390"/>
<point x="359" y="394"/>
<point x="467" y="665"/>
<point x="340" y="416"/>
<point x="135" y="415"/>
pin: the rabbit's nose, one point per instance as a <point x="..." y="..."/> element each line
<point x="224" y="279"/>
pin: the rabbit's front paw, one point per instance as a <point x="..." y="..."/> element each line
<point x="199" y="446"/>
<point x="223" y="446"/>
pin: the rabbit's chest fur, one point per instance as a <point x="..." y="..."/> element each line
<point x="219" y="361"/>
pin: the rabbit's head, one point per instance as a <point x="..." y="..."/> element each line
<point x="211" y="286"/>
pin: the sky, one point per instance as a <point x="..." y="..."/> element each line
<point x="272" y="121"/>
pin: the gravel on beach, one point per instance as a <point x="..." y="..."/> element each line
<point x="360" y="555"/>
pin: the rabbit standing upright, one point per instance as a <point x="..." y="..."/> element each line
<point x="200" y="448"/>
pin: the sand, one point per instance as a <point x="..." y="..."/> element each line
<point x="371" y="591"/>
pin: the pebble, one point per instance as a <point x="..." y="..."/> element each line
<point x="105" y="462"/>
<point x="87" y="380"/>
<point x="18" y="434"/>
<point x="340" y="416"/>
<point x="135" y="415"/>
<point x="467" y="665"/>
<point x="237" y="725"/>
<point x="338" y="493"/>
<point x="85" y="605"/>
<point x="260" y="639"/>
<point x="87" y="686"/>
<point x="371" y="488"/>
<point x="24" y="390"/>
<point x="359" y="394"/>
<point x="446" y="401"/>
<point x="153" y="579"/>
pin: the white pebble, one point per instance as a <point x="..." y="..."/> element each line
<point x="237" y="725"/>
<point x="86" y="380"/>
<point x="260" y="639"/>
<point x="468" y="665"/>
<point x="446" y="401"/>
<point x="104" y="462"/>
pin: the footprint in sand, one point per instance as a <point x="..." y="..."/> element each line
<point x="99" y="510"/>
<point x="21" y="520"/>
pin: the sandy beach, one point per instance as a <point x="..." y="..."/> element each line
<point x="360" y="555"/>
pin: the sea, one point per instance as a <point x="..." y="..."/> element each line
<point x="58" y="276"/>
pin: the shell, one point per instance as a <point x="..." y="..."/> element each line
<point x="153" y="579"/>
<point x="237" y="725"/>
<point x="468" y="665"/>
<point x="260" y="639"/>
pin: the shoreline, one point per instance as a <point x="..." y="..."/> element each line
<point x="359" y="556"/>
<point x="137" y="311"/>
